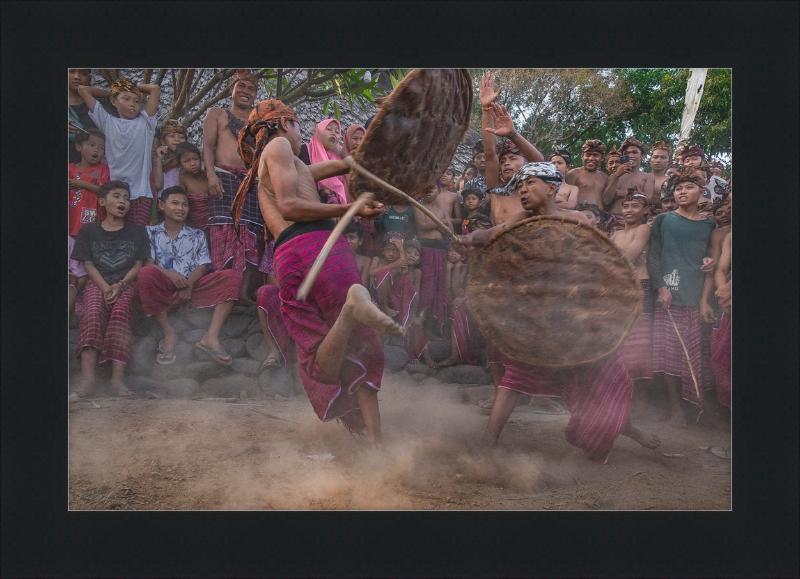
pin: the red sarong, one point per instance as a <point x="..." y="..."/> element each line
<point x="156" y="289"/>
<point x="225" y="246"/>
<point x="198" y="211"/>
<point x="401" y="293"/>
<point x="140" y="211"/>
<point x="668" y="355"/>
<point x="106" y="329"/>
<point x="598" y="396"/>
<point x="432" y="287"/>
<point x="309" y="322"/>
<point x="721" y="360"/>
<point x="268" y="299"/>
<point x="638" y="348"/>
<point x="266" y="265"/>
<point x="465" y="331"/>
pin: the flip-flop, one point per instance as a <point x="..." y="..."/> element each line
<point x="170" y="353"/>
<point x="486" y="403"/>
<point x="269" y="364"/>
<point x="215" y="354"/>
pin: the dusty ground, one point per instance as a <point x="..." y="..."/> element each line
<point x="187" y="454"/>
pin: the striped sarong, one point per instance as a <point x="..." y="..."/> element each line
<point x="106" y="329"/>
<point x="668" y="355"/>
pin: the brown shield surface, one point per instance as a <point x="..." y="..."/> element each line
<point x="414" y="136"/>
<point x="554" y="292"/>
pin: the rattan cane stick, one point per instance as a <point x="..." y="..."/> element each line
<point x="441" y="226"/>
<point x="305" y="287"/>
<point x="685" y="351"/>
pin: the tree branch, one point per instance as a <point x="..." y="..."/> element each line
<point x="148" y="73"/>
<point x="160" y="76"/>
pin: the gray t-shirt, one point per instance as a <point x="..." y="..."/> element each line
<point x="113" y="253"/>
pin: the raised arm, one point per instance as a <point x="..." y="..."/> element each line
<point x="154" y="92"/>
<point x="285" y="181"/>
<point x="505" y="128"/>
<point x="488" y="96"/>
<point x="90" y="94"/>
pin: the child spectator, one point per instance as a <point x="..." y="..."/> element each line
<point x="165" y="164"/>
<point x="129" y="139"/>
<point x="193" y="180"/>
<point x="77" y="275"/>
<point x="354" y="232"/>
<point x="79" y="119"/>
<point x="175" y="273"/>
<point x="112" y="251"/>
<point x="463" y="330"/>
<point x="469" y="173"/>
<point x="85" y="178"/>
<point x="472" y="202"/>
<point x="383" y="271"/>
<point x="567" y="197"/>
<point x="399" y="218"/>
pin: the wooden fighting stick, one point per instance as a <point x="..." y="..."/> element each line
<point x="686" y="352"/>
<point x="305" y="287"/>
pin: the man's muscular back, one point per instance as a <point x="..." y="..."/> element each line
<point x="590" y="184"/>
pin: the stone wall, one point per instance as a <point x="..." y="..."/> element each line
<point x="194" y="374"/>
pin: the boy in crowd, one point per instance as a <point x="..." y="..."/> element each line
<point x="567" y="197"/>
<point x="590" y="211"/>
<point x="112" y="252"/>
<point x="633" y="242"/>
<point x="447" y="179"/>
<point x="612" y="160"/>
<point x="666" y="189"/>
<point x="175" y="273"/>
<point x="677" y="262"/>
<point x="695" y="157"/>
<point x="85" y="178"/>
<point x="193" y="180"/>
<point x="479" y="162"/>
<point x="660" y="154"/>
<point x="398" y="217"/>
<point x="354" y="232"/>
<point x="472" y="203"/>
<point x="165" y="165"/>
<point x="590" y="181"/>
<point x="598" y="394"/>
<point x="79" y="119"/>
<point x="627" y="176"/>
<point x="129" y="139"/>
<point x="449" y="201"/>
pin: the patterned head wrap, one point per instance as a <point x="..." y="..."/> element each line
<point x="544" y="171"/>
<point x="688" y="151"/>
<point x="594" y="146"/>
<point x="507" y="147"/>
<point x="685" y="175"/>
<point x="124" y="85"/>
<point x="478" y="221"/>
<point x="242" y="74"/>
<point x="716" y="165"/>
<point x="635" y="195"/>
<point x="263" y="118"/>
<point x="172" y="126"/>
<point x="662" y="145"/>
<point x="705" y="205"/>
<point x="632" y="142"/>
<point x="614" y="152"/>
<point x="719" y="202"/>
<point x="563" y="153"/>
<point x="472" y="191"/>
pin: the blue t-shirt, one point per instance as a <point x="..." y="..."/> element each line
<point x="677" y="248"/>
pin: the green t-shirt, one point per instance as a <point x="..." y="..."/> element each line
<point x="677" y="248"/>
<point x="402" y="222"/>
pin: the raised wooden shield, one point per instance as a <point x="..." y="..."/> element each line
<point x="554" y="292"/>
<point x="412" y="139"/>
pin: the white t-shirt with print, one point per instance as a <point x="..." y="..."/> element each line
<point x="128" y="146"/>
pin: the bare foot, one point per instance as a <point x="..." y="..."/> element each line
<point x="428" y="360"/>
<point x="119" y="388"/>
<point x="646" y="440"/>
<point x="360" y="307"/>
<point x="244" y="301"/>
<point x="451" y="361"/>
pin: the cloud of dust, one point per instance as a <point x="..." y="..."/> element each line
<point x="429" y="436"/>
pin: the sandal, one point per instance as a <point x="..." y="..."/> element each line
<point x="271" y="362"/>
<point x="169" y="353"/>
<point x="215" y="354"/>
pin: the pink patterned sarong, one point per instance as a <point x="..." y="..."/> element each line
<point x="721" y="360"/>
<point x="598" y="396"/>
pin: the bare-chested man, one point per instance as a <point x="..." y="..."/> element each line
<point x="714" y="186"/>
<point x="592" y="427"/>
<point x="225" y="171"/>
<point x="612" y="160"/>
<point x="634" y="241"/>
<point x="449" y="200"/>
<point x="567" y="196"/>
<point x="660" y="154"/>
<point x="339" y="355"/>
<point x="590" y="181"/>
<point x="627" y="176"/>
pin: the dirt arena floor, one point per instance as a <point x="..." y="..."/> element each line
<point x="178" y="454"/>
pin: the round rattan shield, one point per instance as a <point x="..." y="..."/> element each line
<point x="412" y="139"/>
<point x="554" y="292"/>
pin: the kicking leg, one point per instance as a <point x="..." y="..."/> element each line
<point x="677" y="419"/>
<point x="358" y="309"/>
<point x="504" y="402"/>
<point x="368" y="403"/>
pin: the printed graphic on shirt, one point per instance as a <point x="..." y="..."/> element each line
<point x="88" y="215"/>
<point x="672" y="280"/>
<point x="112" y="254"/>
